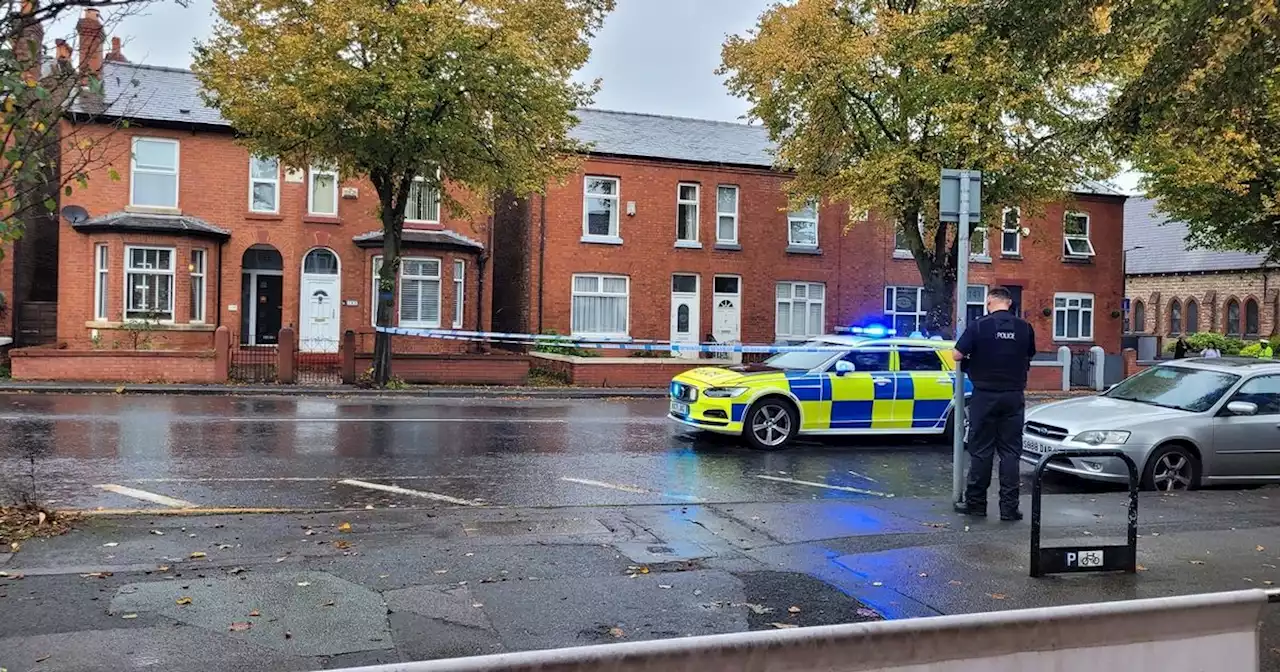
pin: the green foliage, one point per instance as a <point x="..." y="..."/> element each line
<point x="1199" y="342"/>
<point x="1251" y="350"/>
<point x="563" y="347"/>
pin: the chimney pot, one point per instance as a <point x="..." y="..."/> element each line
<point x="89" y="31"/>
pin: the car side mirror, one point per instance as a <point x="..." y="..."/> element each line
<point x="1242" y="408"/>
<point x="843" y="367"/>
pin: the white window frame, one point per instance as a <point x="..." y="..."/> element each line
<point x="681" y="204"/>
<point x="102" y="269"/>
<point x="981" y="301"/>
<point x="1068" y="297"/>
<point x="274" y="181"/>
<point x="199" y="269"/>
<point x="129" y="272"/>
<point x="134" y="170"/>
<point x="1016" y="231"/>
<point x="312" y="172"/>
<point x="423" y="189"/>
<point x="791" y="299"/>
<point x="985" y="254"/>
<point x="1067" y="238"/>
<point x="891" y="311"/>
<point x="459" y="292"/>
<point x="373" y="303"/>
<point x="615" y="234"/>
<point x="798" y="216"/>
<point x="400" y="288"/>
<point x="737" y="193"/>
<point x="600" y="277"/>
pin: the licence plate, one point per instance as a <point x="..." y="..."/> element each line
<point x="1033" y="446"/>
<point x="678" y="408"/>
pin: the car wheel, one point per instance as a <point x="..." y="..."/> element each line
<point x="1171" y="468"/>
<point x="771" y="423"/>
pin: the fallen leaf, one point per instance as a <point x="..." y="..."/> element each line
<point x="793" y="610"/>
<point x="1248" y="580"/>
<point x="697" y="593"/>
<point x="342" y="544"/>
<point x="129" y="617"/>
<point x="997" y="596"/>
<point x="867" y="613"/>
<point x="1197" y="562"/>
<point x="442" y="571"/>
<point x="237" y="570"/>
<point x="470" y="555"/>
<point x="758" y="609"/>
<point x="15" y="547"/>
<point x="223" y="547"/>
<point x="1260" y="549"/>
<point x="644" y="570"/>
<point x="199" y="554"/>
<point x="158" y="533"/>
<point x="254" y="614"/>
<point x="477" y="605"/>
<point x="955" y="583"/>
<point x="384" y="576"/>
<point x="345" y="527"/>
<point x="1142" y="568"/>
<point x="1087" y="533"/>
<point x="110" y="544"/>
<point x="664" y="586"/>
<point x="162" y="568"/>
<point x="184" y="601"/>
<point x="330" y="603"/>
<point x="120" y="390"/>
<point x="1268" y="583"/>
<point x="617" y="633"/>
<point x="15" y="577"/>
<point x="240" y="626"/>
<point x="784" y="626"/>
<point x="281" y="559"/>
<point x="95" y="575"/>
<point x="310" y="533"/>
<point x="303" y="584"/>
<point x="41" y="660"/>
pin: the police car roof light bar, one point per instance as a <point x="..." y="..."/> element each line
<point x="1093" y="558"/>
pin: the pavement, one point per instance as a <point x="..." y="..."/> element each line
<point x="405" y="529"/>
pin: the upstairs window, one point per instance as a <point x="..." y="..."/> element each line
<point x="802" y="226"/>
<point x="727" y="214"/>
<point x="424" y="203"/>
<point x="600" y="209"/>
<point x="687" y="213"/>
<point x="1011" y="232"/>
<point x="153" y="175"/>
<point x="264" y="185"/>
<point x="1075" y="236"/>
<point x="322" y="197"/>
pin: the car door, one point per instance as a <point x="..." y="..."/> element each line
<point x="862" y="399"/>
<point x="923" y="392"/>
<point x="1248" y="446"/>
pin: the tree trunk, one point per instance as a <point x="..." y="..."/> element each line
<point x="939" y="301"/>
<point x="391" y="234"/>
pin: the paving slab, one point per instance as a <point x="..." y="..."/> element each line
<point x="449" y="603"/>
<point x="180" y="649"/>
<point x="811" y="521"/>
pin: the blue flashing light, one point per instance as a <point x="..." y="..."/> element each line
<point x="872" y="331"/>
<point x="917" y="334"/>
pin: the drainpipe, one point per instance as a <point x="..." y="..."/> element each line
<point x="218" y="292"/>
<point x="482" y="262"/>
<point x="542" y="255"/>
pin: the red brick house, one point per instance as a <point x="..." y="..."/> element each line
<point x="679" y="229"/>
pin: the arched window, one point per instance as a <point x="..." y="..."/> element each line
<point x="320" y="261"/>
<point x="1175" y="317"/>
<point x="1139" y="317"/>
<point x="1251" y="318"/>
<point x="1193" y="316"/>
<point x="1233" y="318"/>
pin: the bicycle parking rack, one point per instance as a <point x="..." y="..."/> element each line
<point x="1076" y="559"/>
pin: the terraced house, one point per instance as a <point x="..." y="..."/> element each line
<point x="672" y="229"/>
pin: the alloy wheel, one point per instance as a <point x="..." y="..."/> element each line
<point x="771" y="425"/>
<point x="1172" y="472"/>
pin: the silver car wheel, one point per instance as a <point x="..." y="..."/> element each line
<point x="1172" y="472"/>
<point x="771" y="425"/>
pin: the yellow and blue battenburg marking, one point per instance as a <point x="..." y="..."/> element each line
<point x="887" y="400"/>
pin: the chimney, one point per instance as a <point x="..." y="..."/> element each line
<point x="89" y="29"/>
<point x="28" y="47"/>
<point x="116" y="55"/>
<point x="63" y="51"/>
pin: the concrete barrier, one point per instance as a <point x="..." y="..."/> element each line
<point x="1216" y="632"/>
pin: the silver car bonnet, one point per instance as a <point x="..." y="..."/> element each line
<point x="1097" y="412"/>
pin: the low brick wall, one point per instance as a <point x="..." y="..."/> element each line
<point x="617" y="371"/>
<point x="124" y="366"/>
<point x="1045" y="378"/>
<point x="454" y="369"/>
<point x="1131" y="363"/>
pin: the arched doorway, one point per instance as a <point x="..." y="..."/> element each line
<point x="261" y="295"/>
<point x="319" y="306"/>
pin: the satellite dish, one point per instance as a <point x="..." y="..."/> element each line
<point x="75" y="214"/>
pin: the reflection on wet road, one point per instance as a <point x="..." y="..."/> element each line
<point x="103" y="451"/>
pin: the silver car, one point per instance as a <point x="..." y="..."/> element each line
<point x="1187" y="423"/>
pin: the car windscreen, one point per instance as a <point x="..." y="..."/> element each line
<point x="1187" y="389"/>
<point x="801" y="361"/>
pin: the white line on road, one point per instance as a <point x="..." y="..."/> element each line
<point x="854" y="473"/>
<point x="294" y="479"/>
<point x="842" y="488"/>
<point x="406" y="491"/>
<point x="629" y="488"/>
<point x="195" y="419"/>
<point x="147" y="496"/>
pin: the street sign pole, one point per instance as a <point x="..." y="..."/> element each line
<point x="960" y="198"/>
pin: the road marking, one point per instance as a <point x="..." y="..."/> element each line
<point x="147" y="496"/>
<point x="294" y="479"/>
<point x="406" y="491"/>
<point x="629" y="488"/>
<point x="196" y="419"/>
<point x="864" y="476"/>
<point x="842" y="488"/>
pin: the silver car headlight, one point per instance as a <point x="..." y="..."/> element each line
<point x="724" y="392"/>
<point x="1103" y="437"/>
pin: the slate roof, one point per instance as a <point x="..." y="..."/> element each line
<point x="1165" y="248"/>
<point x="132" y="221"/>
<point x="439" y="238"/>
<point x="172" y="95"/>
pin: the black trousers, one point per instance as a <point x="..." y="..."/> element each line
<point x="995" y="428"/>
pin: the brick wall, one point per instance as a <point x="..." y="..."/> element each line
<point x="1211" y="293"/>
<point x="1044" y="379"/>
<point x="491" y="369"/>
<point x="214" y="186"/>
<point x="615" y="371"/>
<point x="855" y="265"/>
<point x="50" y="363"/>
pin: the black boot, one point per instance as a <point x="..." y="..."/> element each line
<point x="971" y="510"/>
<point x="1011" y="515"/>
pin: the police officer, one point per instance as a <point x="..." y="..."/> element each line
<point x="995" y="352"/>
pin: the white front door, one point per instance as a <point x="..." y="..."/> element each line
<point x="684" y="313"/>
<point x="726" y="313"/>
<point x="320" y="303"/>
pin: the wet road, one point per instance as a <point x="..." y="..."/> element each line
<point x="126" y="452"/>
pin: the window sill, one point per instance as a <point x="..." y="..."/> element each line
<point x="264" y="216"/>
<point x="1011" y="255"/>
<point x="1072" y="341"/>
<point x="902" y="254"/>
<point x="152" y="210"/>
<point x="417" y="325"/>
<point x="155" y="326"/>
<point x="728" y="247"/>
<point x="688" y="245"/>
<point x="803" y="249"/>
<point x="1084" y="261"/>
<point x="602" y="240"/>
<point x="980" y="258"/>
<point x="321" y="219"/>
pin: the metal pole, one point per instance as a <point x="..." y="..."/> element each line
<point x="962" y="292"/>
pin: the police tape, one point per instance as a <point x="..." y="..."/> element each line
<point x="590" y="343"/>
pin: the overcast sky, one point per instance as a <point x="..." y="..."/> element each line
<point x="654" y="56"/>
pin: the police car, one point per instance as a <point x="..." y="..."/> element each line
<point x="833" y="385"/>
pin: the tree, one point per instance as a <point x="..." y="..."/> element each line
<point x="867" y="100"/>
<point x="476" y="94"/>
<point x="1196" y="91"/>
